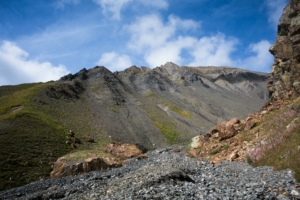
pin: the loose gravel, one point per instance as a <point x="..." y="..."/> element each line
<point x="167" y="175"/>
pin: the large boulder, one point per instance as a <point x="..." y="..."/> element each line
<point x="65" y="167"/>
<point x="226" y="130"/>
<point x="124" y="150"/>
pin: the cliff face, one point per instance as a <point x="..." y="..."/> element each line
<point x="284" y="81"/>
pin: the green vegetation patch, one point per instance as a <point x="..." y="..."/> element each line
<point x="10" y="89"/>
<point x="283" y="33"/>
<point x="219" y="150"/>
<point x="166" y="129"/>
<point x="164" y="125"/>
<point x="19" y="98"/>
<point x="30" y="139"/>
<point x="28" y="149"/>
<point x="83" y="154"/>
<point x="115" y="110"/>
<point x="177" y="109"/>
<point x="284" y="156"/>
<point x="282" y="149"/>
<point x="150" y="94"/>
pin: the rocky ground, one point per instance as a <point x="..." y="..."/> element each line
<point x="167" y="174"/>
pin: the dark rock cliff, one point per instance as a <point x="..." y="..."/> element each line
<point x="284" y="81"/>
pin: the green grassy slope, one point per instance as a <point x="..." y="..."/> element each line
<point x="282" y="132"/>
<point x="30" y="140"/>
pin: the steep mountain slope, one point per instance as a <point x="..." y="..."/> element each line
<point x="152" y="108"/>
<point x="139" y="104"/>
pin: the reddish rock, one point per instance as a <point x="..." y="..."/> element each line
<point x="229" y="132"/>
<point x="226" y="130"/>
<point x="232" y="122"/>
<point x="62" y="167"/>
<point x="124" y="150"/>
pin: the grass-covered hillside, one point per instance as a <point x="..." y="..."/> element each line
<point x="280" y="129"/>
<point x="30" y="139"/>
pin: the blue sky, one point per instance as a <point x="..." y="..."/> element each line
<point x="44" y="40"/>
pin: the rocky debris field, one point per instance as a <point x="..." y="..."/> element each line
<point x="167" y="174"/>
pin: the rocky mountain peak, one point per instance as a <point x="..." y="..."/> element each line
<point x="284" y="82"/>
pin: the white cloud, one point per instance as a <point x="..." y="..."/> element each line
<point x="162" y="4"/>
<point x="16" y="68"/>
<point x="60" y="4"/>
<point x="161" y="42"/>
<point x="261" y="60"/>
<point x="213" y="51"/>
<point x="158" y="41"/>
<point x="112" y="7"/>
<point x="275" y="8"/>
<point x="150" y="31"/>
<point x="169" y="52"/>
<point x="114" y="61"/>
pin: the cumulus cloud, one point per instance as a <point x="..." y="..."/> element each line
<point x="60" y="4"/>
<point x="261" y="60"/>
<point x="275" y="8"/>
<point x="114" y="61"/>
<point x="170" y="51"/>
<point x="213" y="51"/>
<point x="112" y="7"/>
<point x="150" y="31"/>
<point x="160" y="42"/>
<point x="16" y="68"/>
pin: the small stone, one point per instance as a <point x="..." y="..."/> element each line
<point x="295" y="193"/>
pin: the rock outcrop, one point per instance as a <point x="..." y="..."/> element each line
<point x="64" y="167"/>
<point x="70" y="164"/>
<point x="124" y="150"/>
<point x="284" y="81"/>
<point x="223" y="142"/>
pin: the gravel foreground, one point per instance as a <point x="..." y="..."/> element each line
<point x="167" y="175"/>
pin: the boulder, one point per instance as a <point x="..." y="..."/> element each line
<point x="63" y="167"/>
<point x="226" y="130"/>
<point x="124" y="150"/>
<point x="232" y="122"/>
